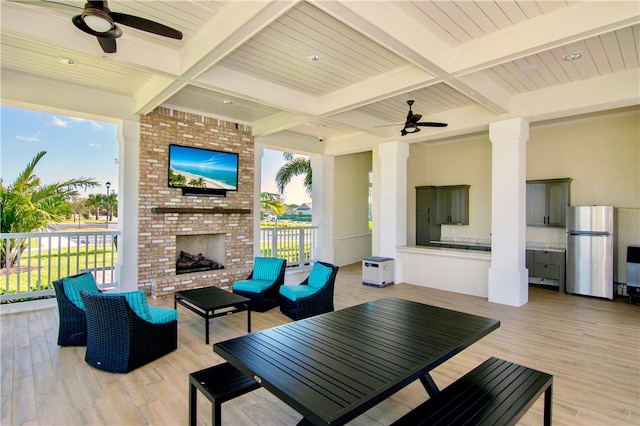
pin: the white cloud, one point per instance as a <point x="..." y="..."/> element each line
<point x="30" y="138"/>
<point x="59" y="122"/>
<point x="96" y="125"/>
<point x="95" y="145"/>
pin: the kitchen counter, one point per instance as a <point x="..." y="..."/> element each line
<point x="454" y="266"/>
<point x="486" y="246"/>
<point x="451" y="269"/>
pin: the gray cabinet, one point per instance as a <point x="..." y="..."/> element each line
<point x="547" y="202"/>
<point x="547" y="267"/>
<point x="426" y="228"/>
<point x="452" y="205"/>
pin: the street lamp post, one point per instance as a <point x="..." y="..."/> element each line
<point x="108" y="185"/>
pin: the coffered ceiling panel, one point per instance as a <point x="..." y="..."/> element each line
<point x="36" y="59"/>
<point x="458" y="22"/>
<point x="467" y="62"/>
<point x="601" y="55"/>
<point x="195" y="98"/>
<point x="279" y="53"/>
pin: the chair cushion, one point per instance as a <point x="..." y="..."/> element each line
<point x="72" y="287"/>
<point x="252" y="286"/>
<point x="137" y="300"/>
<point x="162" y="315"/>
<point x="319" y="276"/>
<point x="295" y="292"/>
<point x="266" y="268"/>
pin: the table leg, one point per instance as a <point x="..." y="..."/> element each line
<point x="429" y="385"/>
<point x="206" y="328"/>
<point x="248" y="319"/>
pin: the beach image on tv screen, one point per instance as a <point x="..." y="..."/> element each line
<point x="200" y="168"/>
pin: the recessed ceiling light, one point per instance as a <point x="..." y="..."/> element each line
<point x="67" y="61"/>
<point x="573" y="56"/>
<point x="313" y="57"/>
<point x="226" y="101"/>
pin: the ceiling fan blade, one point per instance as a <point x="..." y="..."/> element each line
<point x="145" y="25"/>
<point x="108" y="44"/>
<point x="431" y="124"/>
<point x="414" y="118"/>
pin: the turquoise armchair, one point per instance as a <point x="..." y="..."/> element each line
<point x="263" y="284"/>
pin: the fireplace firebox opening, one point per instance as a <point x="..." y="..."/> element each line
<point x="195" y="253"/>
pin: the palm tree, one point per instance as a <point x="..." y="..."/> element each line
<point x="27" y="205"/>
<point x="271" y="202"/>
<point x="296" y="165"/>
<point x="176" y="179"/>
<point x="94" y="203"/>
<point x="197" y="182"/>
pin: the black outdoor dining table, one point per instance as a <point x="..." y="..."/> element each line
<point x="334" y="367"/>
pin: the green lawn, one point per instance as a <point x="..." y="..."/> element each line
<point x="39" y="268"/>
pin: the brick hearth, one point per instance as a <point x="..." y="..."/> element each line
<point x="158" y="231"/>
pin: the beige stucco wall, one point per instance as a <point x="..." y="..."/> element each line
<point x="352" y="237"/>
<point x="600" y="153"/>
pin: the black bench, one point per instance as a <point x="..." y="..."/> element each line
<point x="219" y="383"/>
<point x="497" y="392"/>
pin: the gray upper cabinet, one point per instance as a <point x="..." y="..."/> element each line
<point x="453" y="205"/>
<point x="426" y="228"/>
<point x="547" y="202"/>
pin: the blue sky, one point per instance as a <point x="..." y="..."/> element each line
<point x="85" y="148"/>
<point x="75" y="147"/>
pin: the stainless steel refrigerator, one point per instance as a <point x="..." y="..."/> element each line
<point x="590" y="244"/>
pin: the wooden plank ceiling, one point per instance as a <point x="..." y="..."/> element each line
<point x="464" y="62"/>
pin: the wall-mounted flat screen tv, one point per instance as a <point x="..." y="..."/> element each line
<point x="202" y="169"/>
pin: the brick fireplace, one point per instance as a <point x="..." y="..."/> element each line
<point x="217" y="227"/>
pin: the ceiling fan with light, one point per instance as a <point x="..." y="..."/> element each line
<point x="413" y="123"/>
<point x="97" y="20"/>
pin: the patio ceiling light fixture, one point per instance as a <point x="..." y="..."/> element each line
<point x="573" y="56"/>
<point x="67" y="61"/>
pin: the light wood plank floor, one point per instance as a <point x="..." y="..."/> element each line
<point x="591" y="346"/>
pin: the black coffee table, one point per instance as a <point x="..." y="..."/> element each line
<point x="205" y="301"/>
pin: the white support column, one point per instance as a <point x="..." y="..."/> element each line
<point x="393" y="197"/>
<point x="258" y="152"/>
<point x="508" y="278"/>
<point x="322" y="205"/>
<point x="128" y="177"/>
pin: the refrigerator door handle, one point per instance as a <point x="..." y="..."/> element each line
<point x="590" y="234"/>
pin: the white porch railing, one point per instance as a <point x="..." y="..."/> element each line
<point x="296" y="244"/>
<point x="48" y="256"/>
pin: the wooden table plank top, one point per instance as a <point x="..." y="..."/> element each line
<point x="333" y="367"/>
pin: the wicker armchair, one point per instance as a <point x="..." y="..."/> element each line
<point x="72" y="330"/>
<point x="262" y="285"/>
<point x="118" y="339"/>
<point x="313" y="296"/>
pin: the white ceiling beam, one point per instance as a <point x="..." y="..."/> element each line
<point x="278" y="123"/>
<point x="409" y="40"/>
<point x="225" y="80"/>
<point x="568" y="24"/>
<point x="395" y="82"/>
<point x="232" y="26"/>
<point x="19" y="89"/>
<point x="582" y="97"/>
